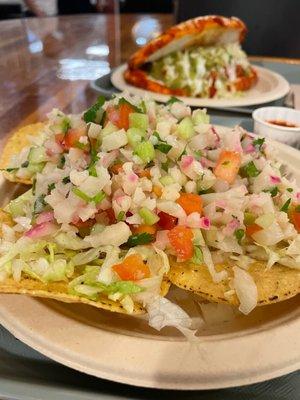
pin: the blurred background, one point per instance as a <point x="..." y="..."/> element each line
<point x="274" y="24"/>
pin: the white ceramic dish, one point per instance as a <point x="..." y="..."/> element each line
<point x="246" y="350"/>
<point x="270" y="87"/>
<point x="290" y="136"/>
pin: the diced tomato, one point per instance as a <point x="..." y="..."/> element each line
<point x="119" y="115"/>
<point x="295" y="218"/>
<point x="252" y="228"/>
<point x="132" y="268"/>
<point x="151" y="229"/>
<point x="166" y="221"/>
<point x="190" y="202"/>
<point x="228" y="166"/>
<point x="111" y="215"/>
<point x="72" y="138"/>
<point x="157" y="190"/>
<point x="181" y="239"/>
<point x="116" y="168"/>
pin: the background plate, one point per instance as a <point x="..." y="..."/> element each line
<point x="270" y="86"/>
<point x="124" y="349"/>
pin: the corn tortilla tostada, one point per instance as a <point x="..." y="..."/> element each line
<point x="200" y="57"/>
<point x="14" y="145"/>
<point x="131" y="193"/>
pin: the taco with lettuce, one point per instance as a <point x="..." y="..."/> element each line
<point x="131" y="193"/>
<point x="201" y="57"/>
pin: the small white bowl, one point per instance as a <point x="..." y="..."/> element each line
<point x="284" y="134"/>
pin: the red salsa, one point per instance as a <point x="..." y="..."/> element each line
<point x="280" y="122"/>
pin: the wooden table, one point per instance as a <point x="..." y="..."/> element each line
<point x="45" y="62"/>
<point x="39" y="57"/>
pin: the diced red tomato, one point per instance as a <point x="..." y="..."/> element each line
<point x="252" y="228"/>
<point x="295" y="218"/>
<point x="228" y="166"/>
<point x="72" y="138"/>
<point x="132" y="268"/>
<point x="190" y="202"/>
<point x="119" y="115"/>
<point x="181" y="239"/>
<point x="151" y="229"/>
<point x="166" y="221"/>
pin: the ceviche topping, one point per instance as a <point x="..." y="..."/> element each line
<point x="130" y="184"/>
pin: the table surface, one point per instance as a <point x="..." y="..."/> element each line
<point x="49" y="62"/>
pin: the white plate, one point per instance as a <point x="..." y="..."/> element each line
<point x="250" y="349"/>
<point x="270" y="87"/>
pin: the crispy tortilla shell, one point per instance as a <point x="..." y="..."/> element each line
<point x="209" y="30"/>
<point x="276" y="284"/>
<point x="15" y="143"/>
<point x="59" y="290"/>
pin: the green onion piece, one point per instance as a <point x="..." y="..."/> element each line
<point x="249" y="218"/>
<point x="66" y="180"/>
<point x="139" y="239"/>
<point x="149" y="217"/>
<point x="249" y="170"/>
<point x="172" y="100"/>
<point x="290" y="190"/>
<point x="198" y="255"/>
<point x="286" y="205"/>
<point x="239" y="234"/>
<point x="96" y="199"/>
<point x="121" y="216"/>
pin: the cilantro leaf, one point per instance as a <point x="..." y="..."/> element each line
<point x="163" y="147"/>
<point x="95" y="113"/>
<point x="259" y="142"/>
<point x="249" y="170"/>
<point x="39" y="204"/>
<point x="138" y="239"/>
<point x="274" y="191"/>
<point x="286" y="205"/>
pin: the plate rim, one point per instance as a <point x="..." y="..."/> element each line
<point x="118" y="82"/>
<point x="278" y="332"/>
